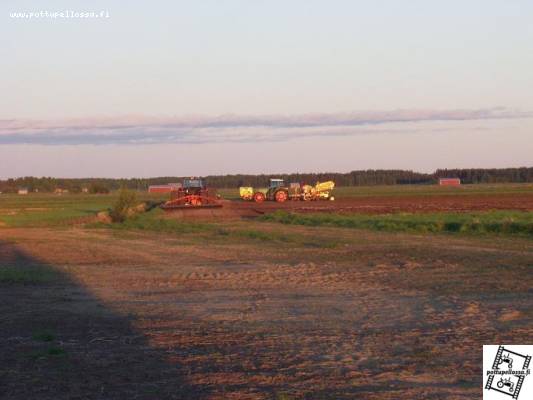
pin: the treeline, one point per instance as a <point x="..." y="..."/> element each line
<point x="354" y="178"/>
<point x="493" y="175"/>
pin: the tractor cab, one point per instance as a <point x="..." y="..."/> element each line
<point x="197" y="183"/>
<point x="276" y="183"/>
<point x="193" y="185"/>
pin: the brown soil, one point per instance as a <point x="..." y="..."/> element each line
<point x="364" y="205"/>
<point x="229" y="210"/>
<point x="392" y="204"/>
<point x="146" y="316"/>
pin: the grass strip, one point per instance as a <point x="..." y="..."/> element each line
<point x="492" y="222"/>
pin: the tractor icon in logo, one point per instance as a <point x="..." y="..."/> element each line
<point x="508" y="383"/>
<point x="506" y="358"/>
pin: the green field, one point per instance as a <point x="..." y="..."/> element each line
<point x="56" y="210"/>
<point x="434" y="190"/>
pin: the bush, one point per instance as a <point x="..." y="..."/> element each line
<point x="121" y="209"/>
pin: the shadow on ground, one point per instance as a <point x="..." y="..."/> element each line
<point x="57" y="341"/>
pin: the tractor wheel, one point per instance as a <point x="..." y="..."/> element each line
<point x="259" y="197"/>
<point x="281" y="196"/>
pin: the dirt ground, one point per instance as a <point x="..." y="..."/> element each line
<point x="391" y="204"/>
<point x="365" y="205"/>
<point x="149" y="316"/>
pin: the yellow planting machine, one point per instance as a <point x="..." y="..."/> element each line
<point x="278" y="191"/>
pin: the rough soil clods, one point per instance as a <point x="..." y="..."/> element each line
<point x="365" y="205"/>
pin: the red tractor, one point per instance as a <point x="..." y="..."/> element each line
<point x="193" y="193"/>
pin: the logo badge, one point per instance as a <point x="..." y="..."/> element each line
<point x="507" y="372"/>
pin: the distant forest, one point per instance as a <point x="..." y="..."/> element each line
<point x="354" y="178"/>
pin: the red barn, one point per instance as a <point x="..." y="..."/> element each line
<point x="450" y="182"/>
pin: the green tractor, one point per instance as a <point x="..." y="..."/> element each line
<point x="277" y="191"/>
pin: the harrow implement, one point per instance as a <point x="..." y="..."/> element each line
<point x="192" y="194"/>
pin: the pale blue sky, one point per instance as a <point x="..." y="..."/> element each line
<point x="278" y="58"/>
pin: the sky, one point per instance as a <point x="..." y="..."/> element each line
<point x="237" y="86"/>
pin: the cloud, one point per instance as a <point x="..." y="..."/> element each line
<point x="136" y="130"/>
